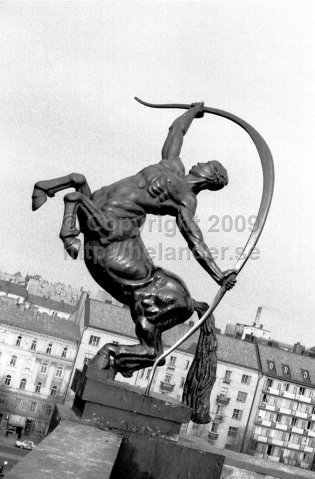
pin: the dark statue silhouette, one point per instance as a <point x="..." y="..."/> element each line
<point x="110" y="220"/>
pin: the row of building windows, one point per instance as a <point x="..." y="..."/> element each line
<point x="280" y="386"/>
<point x="228" y="375"/>
<point x="43" y="368"/>
<point x="48" y="348"/>
<point x="22" y="386"/>
<point x="286" y="372"/>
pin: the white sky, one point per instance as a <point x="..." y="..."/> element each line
<point x="68" y="75"/>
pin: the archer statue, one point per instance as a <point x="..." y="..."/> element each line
<point x="116" y="257"/>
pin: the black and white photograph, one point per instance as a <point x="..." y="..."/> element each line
<point x="156" y="254"/>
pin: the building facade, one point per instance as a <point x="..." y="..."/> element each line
<point x="282" y="423"/>
<point x="37" y="354"/>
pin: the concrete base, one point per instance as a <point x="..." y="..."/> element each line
<point x="106" y="403"/>
<point x="78" y="451"/>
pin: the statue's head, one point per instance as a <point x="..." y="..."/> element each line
<point x="212" y="171"/>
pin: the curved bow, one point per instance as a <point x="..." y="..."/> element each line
<point x="268" y="183"/>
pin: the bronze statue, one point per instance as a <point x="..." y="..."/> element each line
<point x="110" y="220"/>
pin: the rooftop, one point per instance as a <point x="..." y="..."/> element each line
<point x="30" y="320"/>
<point x="296" y="362"/>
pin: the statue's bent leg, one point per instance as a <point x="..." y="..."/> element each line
<point x="42" y="189"/>
<point x="157" y="307"/>
<point x="89" y="217"/>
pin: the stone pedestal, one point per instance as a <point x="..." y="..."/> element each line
<point x="106" y="403"/>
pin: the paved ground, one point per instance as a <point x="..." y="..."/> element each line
<point x="9" y="452"/>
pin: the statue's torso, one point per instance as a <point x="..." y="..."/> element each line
<point x="157" y="189"/>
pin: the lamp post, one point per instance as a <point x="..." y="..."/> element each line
<point x="5" y="463"/>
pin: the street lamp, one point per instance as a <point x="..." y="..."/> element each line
<point x="5" y="463"/>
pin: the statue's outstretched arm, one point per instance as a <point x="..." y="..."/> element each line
<point x="193" y="236"/>
<point x="177" y="131"/>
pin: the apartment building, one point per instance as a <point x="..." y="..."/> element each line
<point x="282" y="423"/>
<point x="37" y="354"/>
<point x="232" y="395"/>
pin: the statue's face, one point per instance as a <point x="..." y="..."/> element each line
<point x="209" y="171"/>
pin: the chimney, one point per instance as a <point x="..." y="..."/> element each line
<point x="257" y="319"/>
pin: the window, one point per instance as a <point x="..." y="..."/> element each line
<point x="53" y="391"/>
<point x="88" y="358"/>
<point x="13" y="360"/>
<point x="286" y="370"/>
<point x="227" y="377"/>
<point x="182" y="382"/>
<point x="172" y="361"/>
<point x="265" y="398"/>
<point x="228" y="446"/>
<point x="38" y="387"/>
<point x="18" y="341"/>
<point x="43" y="368"/>
<point x="219" y="410"/>
<point x="49" y="348"/>
<point x="59" y="372"/>
<point x="148" y="374"/>
<point x="241" y="396"/>
<point x="168" y="378"/>
<point x="33" y="345"/>
<point x="269" y="383"/>
<point x="237" y="414"/>
<point x="301" y="391"/>
<point x="23" y="383"/>
<point x="272" y="366"/>
<point x="287" y="387"/>
<point x="64" y="352"/>
<point x="7" y="380"/>
<point x="18" y="403"/>
<point x="141" y="374"/>
<point x="187" y="365"/>
<point x="278" y="417"/>
<point x="246" y="379"/>
<point x="33" y="407"/>
<point x="94" y="340"/>
<point x="305" y="375"/>
<point x="48" y="410"/>
<point x="232" y="432"/>
<point x="224" y="392"/>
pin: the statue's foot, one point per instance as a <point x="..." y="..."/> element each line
<point x="72" y="246"/>
<point x="39" y="197"/>
<point x="100" y="361"/>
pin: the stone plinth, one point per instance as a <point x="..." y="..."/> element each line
<point x="106" y="403"/>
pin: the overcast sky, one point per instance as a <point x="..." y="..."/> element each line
<point x="68" y="75"/>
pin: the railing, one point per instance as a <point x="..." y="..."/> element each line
<point x="227" y="381"/>
<point x="166" y="386"/>
<point x="223" y="400"/>
<point x="218" y="417"/>
<point x="213" y="435"/>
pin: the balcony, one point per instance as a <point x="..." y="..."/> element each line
<point x="260" y="438"/>
<point x="213" y="435"/>
<point x="270" y="407"/>
<point x="306" y="448"/>
<point x="288" y="395"/>
<point x="218" y="418"/>
<point x="302" y="398"/>
<point x="166" y="386"/>
<point x="227" y="381"/>
<point x="223" y="400"/>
